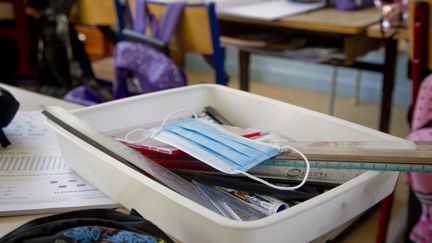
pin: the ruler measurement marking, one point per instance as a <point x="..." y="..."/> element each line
<point x="354" y="165"/>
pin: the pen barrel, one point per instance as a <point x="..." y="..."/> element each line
<point x="265" y="204"/>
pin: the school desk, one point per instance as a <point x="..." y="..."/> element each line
<point x="346" y="29"/>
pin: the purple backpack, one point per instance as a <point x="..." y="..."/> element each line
<point x="141" y="68"/>
<point x="138" y="67"/>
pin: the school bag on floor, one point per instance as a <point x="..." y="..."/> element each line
<point x="92" y="225"/>
<point x="64" y="63"/>
<point x="142" y="68"/>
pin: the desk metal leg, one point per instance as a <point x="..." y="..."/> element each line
<point x="244" y="60"/>
<point x="386" y="101"/>
<point x="388" y="83"/>
<point x="332" y="91"/>
<point x="384" y="218"/>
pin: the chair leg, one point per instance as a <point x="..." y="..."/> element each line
<point x="216" y="61"/>
<point x="384" y="218"/>
<point x="244" y="60"/>
<point x="332" y="91"/>
<point x="357" y="87"/>
<point x="219" y="62"/>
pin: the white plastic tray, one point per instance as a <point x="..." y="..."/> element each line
<point x="190" y="222"/>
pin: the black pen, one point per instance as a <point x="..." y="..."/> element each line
<point x="235" y="182"/>
<point x="216" y="116"/>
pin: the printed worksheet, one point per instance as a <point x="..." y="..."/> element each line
<point x="33" y="176"/>
<point x="28" y="133"/>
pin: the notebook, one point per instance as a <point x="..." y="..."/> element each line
<point x="265" y="9"/>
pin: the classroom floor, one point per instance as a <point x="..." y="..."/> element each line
<point x="364" y="113"/>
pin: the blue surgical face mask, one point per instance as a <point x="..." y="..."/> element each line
<point x="222" y="150"/>
<point x="226" y="151"/>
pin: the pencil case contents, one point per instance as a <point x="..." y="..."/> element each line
<point x="233" y="196"/>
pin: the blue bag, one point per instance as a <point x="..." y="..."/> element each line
<point x="90" y="225"/>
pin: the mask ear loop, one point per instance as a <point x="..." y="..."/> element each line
<point x="282" y="187"/>
<point x="148" y="135"/>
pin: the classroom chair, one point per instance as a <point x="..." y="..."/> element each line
<point x="197" y="32"/>
<point x="19" y="33"/>
<point x="420" y="24"/>
<point x="420" y="111"/>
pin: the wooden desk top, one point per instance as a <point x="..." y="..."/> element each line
<point x="323" y="20"/>
<point x="374" y="31"/>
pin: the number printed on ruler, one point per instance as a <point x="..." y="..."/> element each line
<point x="348" y="165"/>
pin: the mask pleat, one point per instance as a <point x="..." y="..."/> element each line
<point x="269" y="151"/>
<point x="241" y="153"/>
<point x="228" y="144"/>
<point x="243" y="145"/>
<point x="217" y="149"/>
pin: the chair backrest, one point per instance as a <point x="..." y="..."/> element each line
<point x="197" y="31"/>
<point x="420" y="33"/>
<point x="91" y="12"/>
<point x="420" y="16"/>
<point x="194" y="32"/>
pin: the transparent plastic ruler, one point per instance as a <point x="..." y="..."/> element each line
<point x="125" y="155"/>
<point x="352" y="165"/>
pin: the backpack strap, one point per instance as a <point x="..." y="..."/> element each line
<point x="162" y="29"/>
<point x="139" y="22"/>
<point x="169" y="20"/>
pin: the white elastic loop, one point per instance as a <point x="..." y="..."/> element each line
<point x="126" y="138"/>
<point x="148" y="135"/>
<point x="282" y="187"/>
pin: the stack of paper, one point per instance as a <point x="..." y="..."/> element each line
<point x="260" y="9"/>
<point x="34" y="177"/>
<point x="265" y="9"/>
